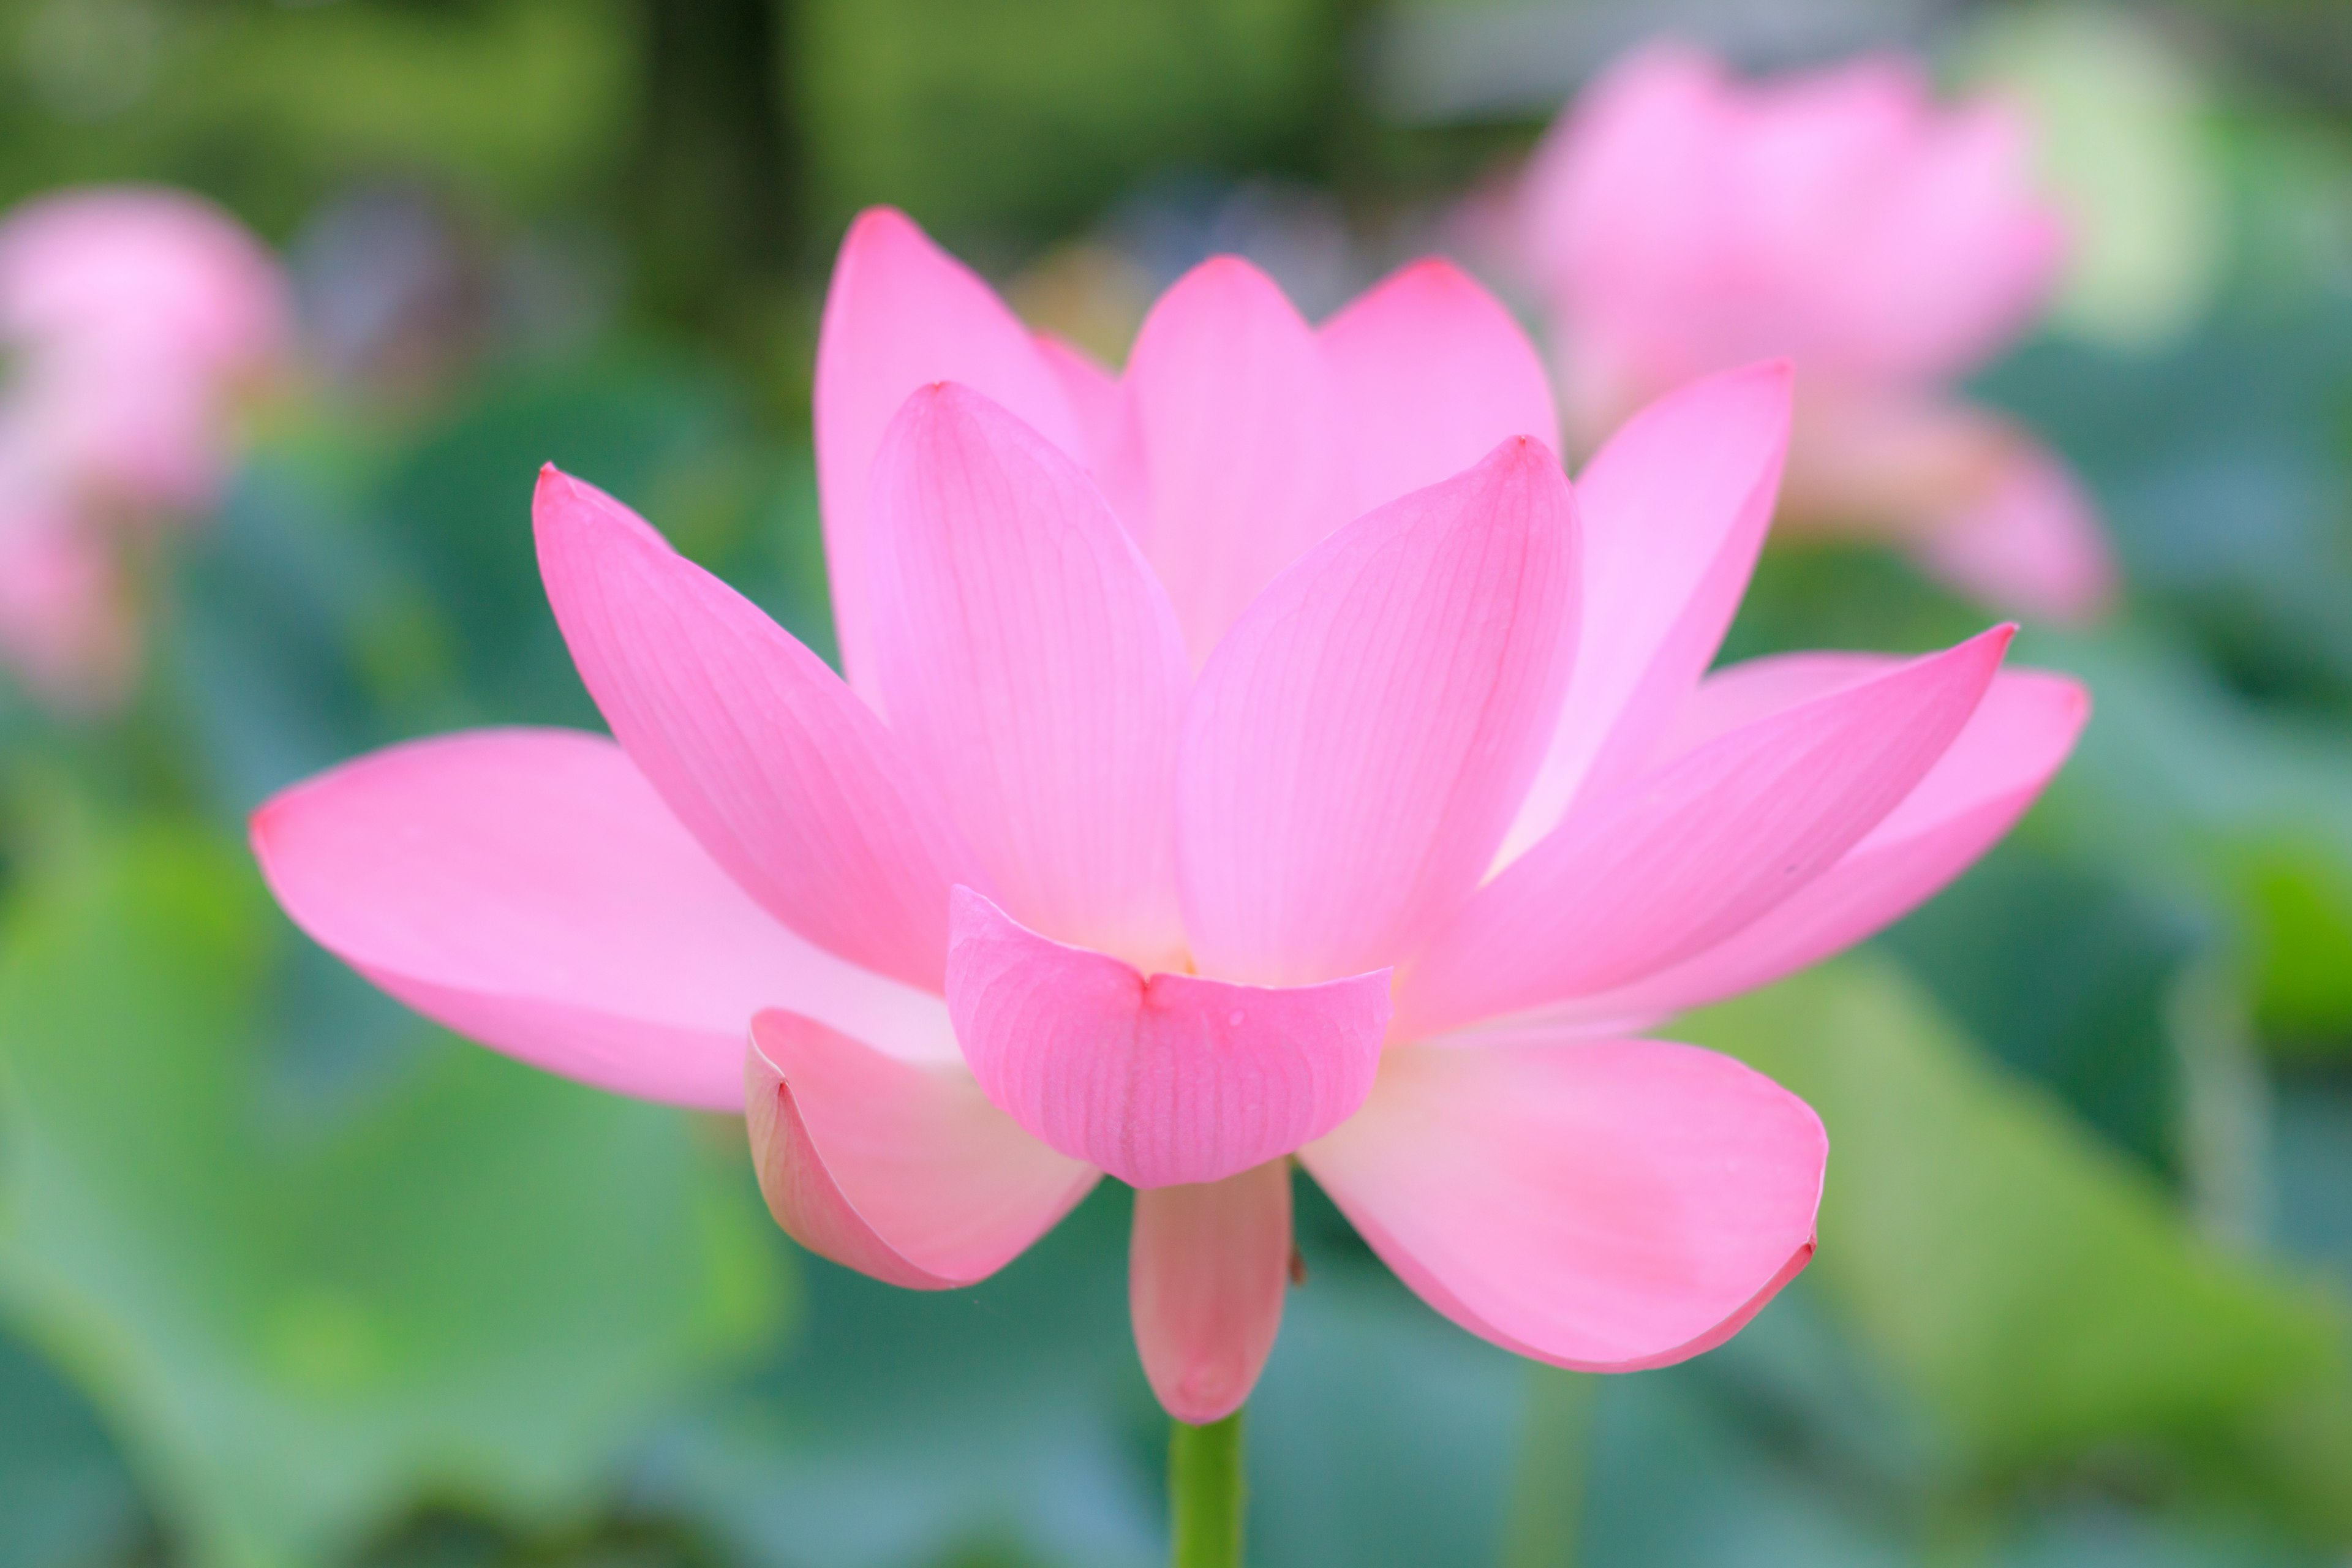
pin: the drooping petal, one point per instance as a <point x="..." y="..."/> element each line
<point x="897" y="1168"/>
<point x="1695" y="852"/>
<point x="899" y="313"/>
<point x="1360" y="740"/>
<point x="790" y="782"/>
<point x="1240" y="443"/>
<point x="528" y="887"/>
<point x="1032" y="664"/>
<point x="1974" y="498"/>
<point x="1432" y="372"/>
<point x="1161" y="1082"/>
<point x="2029" y="541"/>
<point x="2008" y="750"/>
<point x="1206" y="1275"/>
<point x="1607" y="1205"/>
<point x="1674" y="509"/>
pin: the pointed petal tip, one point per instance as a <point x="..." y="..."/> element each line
<point x="882" y="224"/>
<point x="1230" y="280"/>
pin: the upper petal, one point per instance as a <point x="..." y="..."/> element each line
<point x="897" y="1168"/>
<point x="528" y="887"/>
<point x="901" y="312"/>
<point x="1359" y="738"/>
<point x="1032" y="664"/>
<point x="1160" y="1081"/>
<point x="1607" y="1205"/>
<point x="787" y="779"/>
<point x="1699" y="848"/>
<point x="1674" y="509"/>
<point x="1238" y="440"/>
<point x="2008" y="750"/>
<point x="1207" y="1271"/>
<point x="1432" y="372"/>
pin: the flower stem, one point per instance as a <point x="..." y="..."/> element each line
<point x="1205" y="1493"/>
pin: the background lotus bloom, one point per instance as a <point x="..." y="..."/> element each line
<point x="1263" y="754"/>
<point x="1679" y="222"/>
<point x="129" y="319"/>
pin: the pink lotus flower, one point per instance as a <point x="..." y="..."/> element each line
<point x="1262" y="754"/>
<point x="1679" y="222"/>
<point x="129" y="320"/>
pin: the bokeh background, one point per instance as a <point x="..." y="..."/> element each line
<point x="288" y="1278"/>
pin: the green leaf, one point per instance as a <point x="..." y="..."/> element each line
<point x="2034" y="1290"/>
<point x="475" y="1285"/>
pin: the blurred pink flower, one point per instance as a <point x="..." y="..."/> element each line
<point x="1679" y="222"/>
<point x="129" y="320"/>
<point x="1261" y="753"/>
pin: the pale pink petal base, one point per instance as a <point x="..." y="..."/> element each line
<point x="1207" y="1272"/>
<point x="1160" y="1081"/>
<point x="1607" y="1205"/>
<point x="897" y="1170"/>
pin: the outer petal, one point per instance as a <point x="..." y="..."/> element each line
<point x="528" y="888"/>
<point x="1607" y="1205"/>
<point x="1161" y="1082"/>
<point x="897" y="1170"/>
<point x="1710" y="842"/>
<point x="1359" y="741"/>
<point x="901" y="312"/>
<point x="2010" y="748"/>
<point x="1432" y="372"/>
<point x="1032" y="664"/>
<point x="1674" y="509"/>
<point x="790" y="783"/>
<point x="1239" y="441"/>
<point x="1207" y="1273"/>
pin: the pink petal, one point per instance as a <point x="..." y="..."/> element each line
<point x="2029" y="541"/>
<point x="1697" y="849"/>
<point x="1161" y="1081"/>
<point x="1674" y="509"/>
<point x="2008" y="750"/>
<point x="1207" y="1273"/>
<point x="526" y="888"/>
<point x="787" y="779"/>
<point x="1033" y="666"/>
<point x="1239" y="442"/>
<point x="898" y="1169"/>
<point x="1097" y="402"/>
<point x="1968" y="250"/>
<point x="1432" y="372"/>
<point x="901" y="313"/>
<point x="1607" y="1205"/>
<point x="1361" y="738"/>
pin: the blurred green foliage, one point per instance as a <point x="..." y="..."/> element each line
<point x="475" y="1286"/>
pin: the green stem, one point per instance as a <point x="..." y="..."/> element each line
<point x="1205" y="1493"/>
